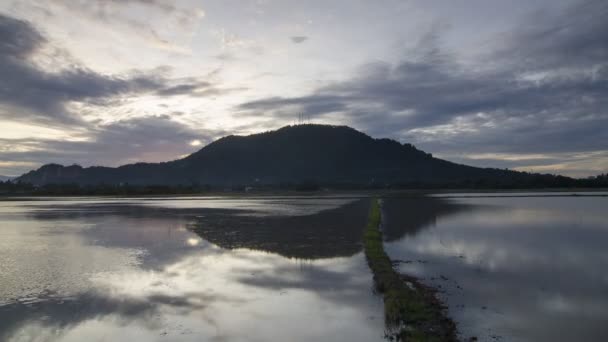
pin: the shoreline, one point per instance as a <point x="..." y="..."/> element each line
<point x="412" y="310"/>
<point x="440" y="193"/>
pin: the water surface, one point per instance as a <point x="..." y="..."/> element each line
<point x="510" y="268"/>
<point x="186" y="269"/>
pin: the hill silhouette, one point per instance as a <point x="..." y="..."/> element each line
<point x="319" y="154"/>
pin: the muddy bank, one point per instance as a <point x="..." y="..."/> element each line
<point x="412" y="310"/>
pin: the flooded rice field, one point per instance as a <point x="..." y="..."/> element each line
<point x="186" y="269"/>
<point x="523" y="268"/>
<point x="531" y="268"/>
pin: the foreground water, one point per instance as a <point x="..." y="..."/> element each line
<point x="509" y="268"/>
<point x="292" y="269"/>
<point x="186" y="269"/>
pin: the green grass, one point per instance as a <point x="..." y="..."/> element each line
<point x="411" y="313"/>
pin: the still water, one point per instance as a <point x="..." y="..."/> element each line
<point x="186" y="269"/>
<point x="514" y="267"/>
<point x="509" y="268"/>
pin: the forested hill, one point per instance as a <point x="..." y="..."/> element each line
<point x="319" y="154"/>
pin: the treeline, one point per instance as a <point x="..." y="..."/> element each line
<point x="531" y="181"/>
<point x="74" y="189"/>
<point x="525" y="181"/>
<point x="19" y="188"/>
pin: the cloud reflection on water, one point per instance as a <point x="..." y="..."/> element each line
<point x="524" y="269"/>
<point x="170" y="283"/>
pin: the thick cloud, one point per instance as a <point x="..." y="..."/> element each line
<point x="542" y="88"/>
<point x="18" y="38"/>
<point x="30" y="93"/>
<point x="573" y="38"/>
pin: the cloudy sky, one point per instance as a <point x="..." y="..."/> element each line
<point x="511" y="84"/>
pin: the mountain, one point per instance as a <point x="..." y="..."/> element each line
<point x="293" y="154"/>
<point x="5" y="178"/>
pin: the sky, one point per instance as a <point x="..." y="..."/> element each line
<point x="519" y="84"/>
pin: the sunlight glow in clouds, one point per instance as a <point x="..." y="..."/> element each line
<point x="483" y="83"/>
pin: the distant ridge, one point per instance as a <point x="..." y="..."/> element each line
<point x="321" y="154"/>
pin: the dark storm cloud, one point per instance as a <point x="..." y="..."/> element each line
<point x="298" y="39"/>
<point x="156" y="138"/>
<point x="28" y="92"/>
<point x="543" y="88"/>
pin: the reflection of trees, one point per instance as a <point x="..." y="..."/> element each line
<point x="408" y="215"/>
<point x="329" y="233"/>
<point x="325" y="234"/>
